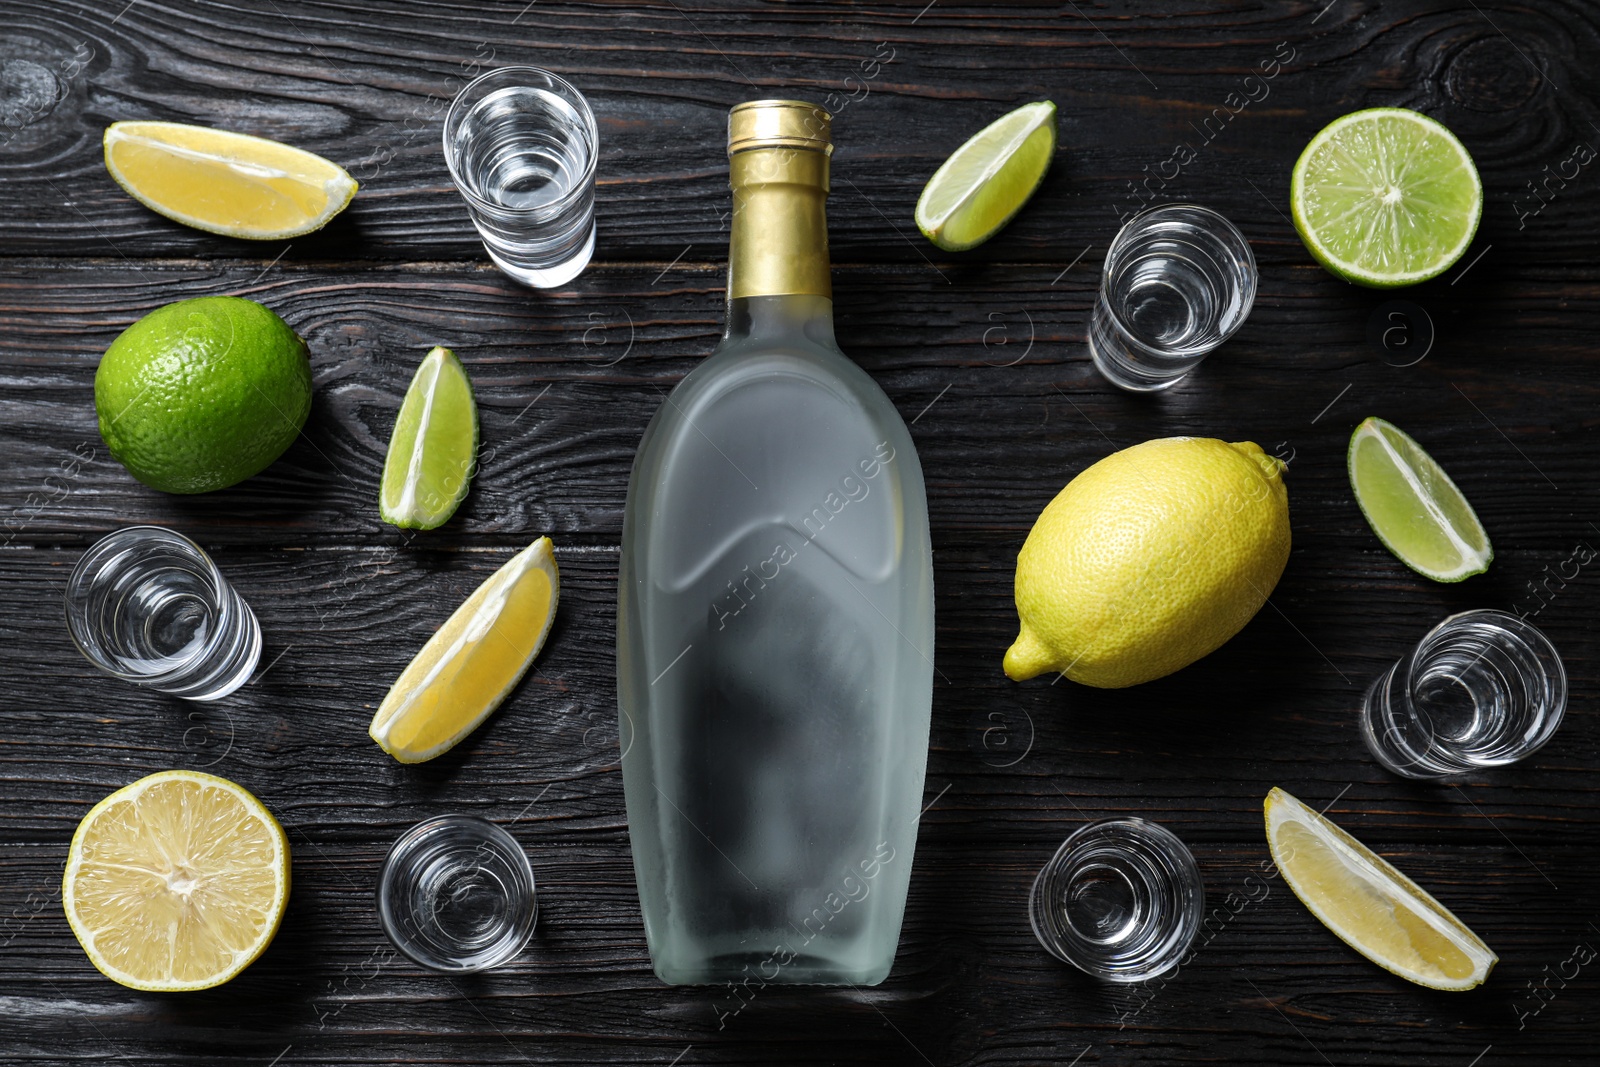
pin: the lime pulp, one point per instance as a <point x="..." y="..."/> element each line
<point x="1386" y="197"/>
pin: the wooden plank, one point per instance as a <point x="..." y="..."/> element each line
<point x="344" y="602"/>
<point x="1003" y="401"/>
<point x="368" y="85"/>
<point x="982" y="353"/>
<point x="970" y="985"/>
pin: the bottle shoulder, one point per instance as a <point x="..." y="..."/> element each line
<point x="776" y="438"/>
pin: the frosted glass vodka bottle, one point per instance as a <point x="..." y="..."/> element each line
<point x="775" y="618"/>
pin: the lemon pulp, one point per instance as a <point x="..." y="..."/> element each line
<point x="176" y="882"/>
<point x="225" y="182"/>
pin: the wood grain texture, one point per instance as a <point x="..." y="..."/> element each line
<point x="982" y="353"/>
<point x="367" y="84"/>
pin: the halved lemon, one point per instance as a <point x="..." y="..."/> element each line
<point x="471" y="665"/>
<point x="225" y="182"/>
<point x="1374" y="908"/>
<point x="176" y="882"/>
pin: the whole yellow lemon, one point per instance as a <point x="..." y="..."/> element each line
<point x="1148" y="560"/>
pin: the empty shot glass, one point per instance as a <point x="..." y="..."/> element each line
<point x="521" y="146"/>
<point x="1481" y="689"/>
<point x="1178" y="281"/>
<point x="147" y="604"/>
<point x="456" y="895"/>
<point x="1121" y="900"/>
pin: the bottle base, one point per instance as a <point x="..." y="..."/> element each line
<point x="758" y="969"/>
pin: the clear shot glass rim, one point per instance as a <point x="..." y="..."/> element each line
<point x="457" y="113"/>
<point x="1186" y="924"/>
<point x="95" y="552"/>
<point x="1537" y="640"/>
<point x="408" y="839"/>
<point x="1119" y="245"/>
<point x="1525" y="629"/>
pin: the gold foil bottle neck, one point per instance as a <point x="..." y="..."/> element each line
<point x="778" y="167"/>
<point x="779" y="124"/>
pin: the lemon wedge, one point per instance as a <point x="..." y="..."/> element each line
<point x="224" y="182"/>
<point x="176" y="882"/>
<point x="474" y="661"/>
<point x="1374" y="908"/>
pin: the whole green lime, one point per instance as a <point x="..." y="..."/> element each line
<point x="202" y="394"/>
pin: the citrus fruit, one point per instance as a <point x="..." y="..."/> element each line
<point x="223" y="182"/>
<point x="977" y="190"/>
<point x="1386" y="197"/>
<point x="176" y="882"/>
<point x="471" y="665"/>
<point x="1148" y="560"/>
<point x="1413" y="506"/>
<point x="1372" y="907"/>
<point x="203" y="393"/>
<point x="433" y="448"/>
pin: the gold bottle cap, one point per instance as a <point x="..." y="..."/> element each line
<point x="779" y="124"/>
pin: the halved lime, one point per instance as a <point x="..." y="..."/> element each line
<point x="1413" y="506"/>
<point x="1386" y="197"/>
<point x="976" y="192"/>
<point x="434" y="447"/>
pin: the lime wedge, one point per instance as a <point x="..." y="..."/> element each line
<point x="1373" y="908"/>
<point x="976" y="192"/>
<point x="1413" y="506"/>
<point x="1386" y="197"/>
<point x="434" y="447"/>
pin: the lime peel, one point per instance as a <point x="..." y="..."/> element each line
<point x="203" y="393"/>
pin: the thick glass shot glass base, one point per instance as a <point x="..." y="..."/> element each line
<point x="521" y="145"/>
<point x="1178" y="281"/>
<point x="1120" y="900"/>
<point x="456" y="895"/>
<point x="1123" y="364"/>
<point x="539" y="276"/>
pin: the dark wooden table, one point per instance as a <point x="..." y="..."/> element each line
<point x="984" y="355"/>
